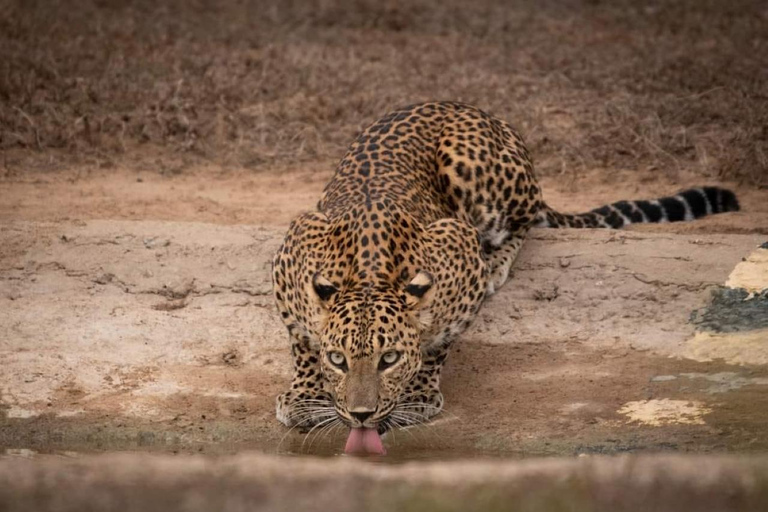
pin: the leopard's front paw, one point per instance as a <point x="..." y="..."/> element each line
<point x="432" y="404"/>
<point x="284" y="410"/>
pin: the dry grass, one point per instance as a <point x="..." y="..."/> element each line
<point x="668" y="85"/>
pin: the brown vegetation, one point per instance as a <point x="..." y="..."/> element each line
<point x="165" y="84"/>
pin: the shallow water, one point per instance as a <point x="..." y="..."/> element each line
<point x="394" y="455"/>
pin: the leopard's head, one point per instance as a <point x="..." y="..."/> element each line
<point x="370" y="345"/>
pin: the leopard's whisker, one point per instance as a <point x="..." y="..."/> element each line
<point x="303" y="408"/>
<point x="388" y="424"/>
<point x="416" y="405"/>
<point x="402" y="427"/>
<point x="442" y="411"/>
<point x="319" y="424"/>
<point x="407" y="417"/>
<point x="412" y="420"/>
<point x="416" y="411"/>
<point x="309" y="420"/>
<point x="301" y="416"/>
<point x="413" y="423"/>
<point x="319" y="432"/>
<point x="334" y="427"/>
<point x="282" y="439"/>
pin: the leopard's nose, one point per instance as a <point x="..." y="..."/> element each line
<point x="361" y="416"/>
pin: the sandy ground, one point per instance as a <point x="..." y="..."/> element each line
<point x="136" y="313"/>
<point x="276" y="194"/>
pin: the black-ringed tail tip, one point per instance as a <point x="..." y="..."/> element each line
<point x="686" y="205"/>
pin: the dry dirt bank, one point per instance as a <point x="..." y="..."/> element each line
<point x="126" y="334"/>
<point x="275" y="195"/>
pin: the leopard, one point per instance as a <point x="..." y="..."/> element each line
<point x="420" y="224"/>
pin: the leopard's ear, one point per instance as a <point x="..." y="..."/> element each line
<point x="323" y="288"/>
<point x="417" y="291"/>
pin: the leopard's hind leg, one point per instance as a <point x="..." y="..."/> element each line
<point x="489" y="182"/>
<point x="500" y="260"/>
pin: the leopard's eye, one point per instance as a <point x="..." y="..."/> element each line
<point x="337" y="359"/>
<point x="388" y="359"/>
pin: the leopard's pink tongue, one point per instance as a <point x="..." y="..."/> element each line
<point x="364" y="440"/>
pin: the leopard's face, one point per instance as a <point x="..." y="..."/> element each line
<point x="370" y="352"/>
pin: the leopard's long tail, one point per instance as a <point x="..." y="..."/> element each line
<point x="687" y="205"/>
